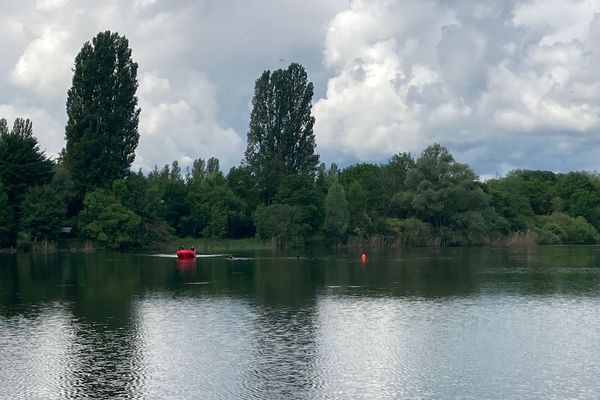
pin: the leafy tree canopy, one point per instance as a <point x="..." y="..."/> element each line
<point x="300" y="191"/>
<point x="22" y="165"/>
<point x="43" y="213"/>
<point x="439" y="187"/>
<point x="336" y="213"/>
<point x="5" y="217"/>
<point x="281" y="223"/>
<point x="107" y="222"/>
<point x="103" y="113"/>
<point x="280" y="139"/>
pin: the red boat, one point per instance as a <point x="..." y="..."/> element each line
<point x="186" y="254"/>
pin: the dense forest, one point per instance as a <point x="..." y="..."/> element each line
<point x="279" y="193"/>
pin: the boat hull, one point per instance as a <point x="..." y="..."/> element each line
<point x="186" y="254"/>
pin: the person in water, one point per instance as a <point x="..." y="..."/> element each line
<point x="193" y="249"/>
<point x="181" y="247"/>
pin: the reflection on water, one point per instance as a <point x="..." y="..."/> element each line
<point x="454" y="323"/>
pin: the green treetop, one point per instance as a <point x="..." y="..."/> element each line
<point x="280" y="139"/>
<point x="22" y="165"/>
<point x="103" y="113"/>
<point x="336" y="213"/>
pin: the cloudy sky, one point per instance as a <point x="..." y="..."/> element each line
<point x="503" y="84"/>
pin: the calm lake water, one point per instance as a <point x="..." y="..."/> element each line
<point x="463" y="323"/>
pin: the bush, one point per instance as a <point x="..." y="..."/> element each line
<point x="409" y="232"/>
<point x="467" y="228"/>
<point x="559" y="228"/>
<point x="549" y="234"/>
<point x="106" y="222"/>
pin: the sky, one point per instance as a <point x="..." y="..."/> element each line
<point x="503" y="85"/>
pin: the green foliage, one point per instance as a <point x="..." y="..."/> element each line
<point x="393" y="178"/>
<point x="22" y="165"/>
<point x="215" y="210"/>
<point x="5" y="217"/>
<point x="438" y="188"/>
<point x="300" y="191"/>
<point x="174" y="193"/>
<point x="559" y="228"/>
<point x="410" y="231"/>
<point x="103" y="113"/>
<point x="337" y="218"/>
<point x="469" y="227"/>
<point x="365" y="188"/>
<point x="106" y="222"/>
<point x="369" y="177"/>
<point x="522" y="195"/>
<point x="281" y="223"/>
<point x="281" y="141"/>
<point x="357" y="197"/>
<point x="43" y="213"/>
<point x="65" y="187"/>
<point x="509" y="201"/>
<point x="138" y="194"/>
<point x="579" y="195"/>
<point x="538" y="187"/>
<point x="243" y="184"/>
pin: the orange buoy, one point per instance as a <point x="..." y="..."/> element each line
<point x="363" y="257"/>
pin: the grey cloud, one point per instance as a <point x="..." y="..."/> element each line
<point x="221" y="47"/>
<point x="504" y="85"/>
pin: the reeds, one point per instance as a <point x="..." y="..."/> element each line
<point x="525" y="238"/>
<point x="44" y="246"/>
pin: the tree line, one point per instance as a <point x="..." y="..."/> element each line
<point x="280" y="192"/>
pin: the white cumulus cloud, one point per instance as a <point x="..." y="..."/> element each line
<point x="185" y="110"/>
<point x="503" y="84"/>
<point x="45" y="65"/>
<point x="197" y="61"/>
<point x="482" y="78"/>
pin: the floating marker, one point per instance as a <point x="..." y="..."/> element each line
<point x="363" y="257"/>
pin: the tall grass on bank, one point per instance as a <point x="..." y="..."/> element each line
<point x="526" y="238"/>
<point x="44" y="246"/>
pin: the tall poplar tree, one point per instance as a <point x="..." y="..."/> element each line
<point x="103" y="113"/>
<point x="281" y="141"/>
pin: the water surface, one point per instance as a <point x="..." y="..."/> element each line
<point x="423" y="324"/>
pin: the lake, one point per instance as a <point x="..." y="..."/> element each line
<point x="461" y="323"/>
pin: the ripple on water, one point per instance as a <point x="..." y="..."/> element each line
<point x="283" y="333"/>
